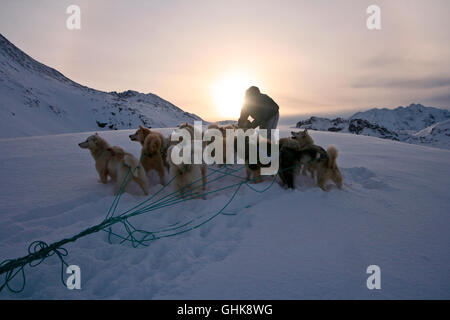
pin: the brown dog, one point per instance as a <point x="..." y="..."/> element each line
<point x="328" y="169"/>
<point x="151" y="155"/>
<point x="141" y="134"/>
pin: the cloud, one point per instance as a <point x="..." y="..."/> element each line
<point x="292" y="100"/>
<point x="398" y="60"/>
<point x="402" y="83"/>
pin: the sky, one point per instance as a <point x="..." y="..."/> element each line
<point x="312" y="57"/>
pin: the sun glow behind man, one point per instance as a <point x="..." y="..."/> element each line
<point x="228" y="94"/>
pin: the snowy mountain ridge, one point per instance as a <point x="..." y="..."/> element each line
<point x="435" y="135"/>
<point x="412" y="118"/>
<point x="400" y="124"/>
<point x="39" y="100"/>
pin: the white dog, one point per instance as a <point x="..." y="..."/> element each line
<point x="186" y="178"/>
<point x="114" y="162"/>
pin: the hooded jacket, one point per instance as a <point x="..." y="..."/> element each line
<point x="259" y="106"/>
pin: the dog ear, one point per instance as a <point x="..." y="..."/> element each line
<point x="141" y="127"/>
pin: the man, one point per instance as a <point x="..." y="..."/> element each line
<point x="261" y="108"/>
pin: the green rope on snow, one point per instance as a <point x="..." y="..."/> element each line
<point x="39" y="251"/>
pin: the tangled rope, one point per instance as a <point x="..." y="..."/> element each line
<point x="38" y="251"/>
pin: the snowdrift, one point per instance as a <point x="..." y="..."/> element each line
<point x="283" y="244"/>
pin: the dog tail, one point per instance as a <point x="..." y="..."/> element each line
<point x="332" y="152"/>
<point x="132" y="163"/>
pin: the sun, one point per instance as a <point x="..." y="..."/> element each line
<point x="228" y="95"/>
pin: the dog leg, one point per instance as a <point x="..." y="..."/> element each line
<point x="290" y="182"/>
<point x="142" y="183"/>
<point x="337" y="178"/>
<point x="322" y="179"/>
<point x="123" y="179"/>
<point x="113" y="177"/>
<point x="313" y="172"/>
<point x="102" y="173"/>
<point x="166" y="162"/>
<point x="257" y="176"/>
<point x="248" y="172"/>
<point x="304" y="170"/>
<point x="203" y="169"/>
<point x="161" y="173"/>
<point x="146" y="164"/>
<point x="103" y="176"/>
<point x="287" y="178"/>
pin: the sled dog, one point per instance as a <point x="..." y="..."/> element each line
<point x="193" y="133"/>
<point x="141" y="134"/>
<point x="151" y="156"/>
<point x="324" y="161"/>
<point x="114" y="162"/>
<point x="188" y="179"/>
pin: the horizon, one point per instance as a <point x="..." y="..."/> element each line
<point x="301" y="60"/>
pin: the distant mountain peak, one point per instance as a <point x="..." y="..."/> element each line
<point x="14" y="55"/>
<point x="401" y="123"/>
<point x="37" y="100"/>
<point x="413" y="117"/>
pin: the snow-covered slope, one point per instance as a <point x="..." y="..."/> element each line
<point x="225" y="122"/>
<point x="393" y="212"/>
<point x="401" y="124"/>
<point x="323" y="124"/>
<point x="37" y="100"/>
<point x="437" y="134"/>
<point x="412" y="118"/>
<point x="356" y="126"/>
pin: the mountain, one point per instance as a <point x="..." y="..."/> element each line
<point x="39" y="100"/>
<point x="437" y="134"/>
<point x="226" y="122"/>
<point x="412" y="118"/>
<point x="413" y="124"/>
<point x="356" y="126"/>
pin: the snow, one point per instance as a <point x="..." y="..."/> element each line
<point x="412" y="118"/>
<point x="437" y="135"/>
<point x="412" y="124"/>
<point x="285" y="244"/>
